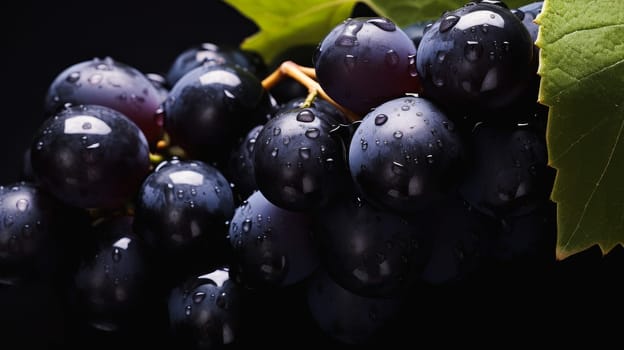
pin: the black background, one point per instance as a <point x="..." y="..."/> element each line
<point x="566" y="301"/>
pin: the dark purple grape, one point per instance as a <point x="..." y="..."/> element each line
<point x="211" y="107"/>
<point x="205" y="312"/>
<point x="371" y="252"/>
<point x="461" y="237"/>
<point x="181" y="211"/>
<point x="405" y="155"/>
<point x="365" y="61"/>
<point x="345" y="316"/>
<point x="113" y="283"/>
<point x="479" y="56"/>
<point x="272" y="246"/>
<point x="90" y="156"/>
<point x="527" y="239"/>
<point x="509" y="173"/>
<point x="241" y="164"/>
<point x="27" y="233"/>
<point x="211" y="54"/>
<point x="527" y="15"/>
<point x="298" y="164"/>
<point x="111" y="84"/>
<point x="415" y="31"/>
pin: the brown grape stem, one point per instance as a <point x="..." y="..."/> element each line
<point x="305" y="76"/>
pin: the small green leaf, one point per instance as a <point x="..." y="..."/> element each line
<point x="582" y="70"/>
<point x="285" y="24"/>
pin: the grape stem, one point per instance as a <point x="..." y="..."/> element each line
<point x="306" y="76"/>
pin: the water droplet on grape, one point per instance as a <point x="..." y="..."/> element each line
<point x="95" y="79"/>
<point x="304" y="153"/>
<point x="222" y="301"/>
<point x="398" y="134"/>
<point x="251" y="145"/>
<point x="198" y="297"/>
<point x="187" y="310"/>
<point x="277" y="131"/>
<point x="73" y="77"/>
<point x="405" y="108"/>
<point x="274" y="152"/>
<point x="392" y="58"/>
<point x="312" y="133"/>
<point x="473" y="50"/>
<point x="448" y="22"/>
<point x="305" y="116"/>
<point x="247" y="225"/>
<point x="430" y="158"/>
<point x="349" y="61"/>
<point x="22" y="204"/>
<point x="398" y="168"/>
<point x="116" y="255"/>
<point x="383" y="24"/>
<point x="381" y="119"/>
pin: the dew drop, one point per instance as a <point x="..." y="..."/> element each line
<point x="22" y="204"/>
<point x="305" y="116"/>
<point x="383" y="24"/>
<point x="73" y="77"/>
<point x="364" y="145"/>
<point x="251" y="145"/>
<point x="405" y="108"/>
<point x="116" y="255"/>
<point x="198" y="297"/>
<point x="398" y="134"/>
<point x="448" y="22"/>
<point x="247" y="225"/>
<point x="95" y="79"/>
<point x="187" y="310"/>
<point x="286" y="140"/>
<point x="312" y="133"/>
<point x="304" y="153"/>
<point x="441" y="56"/>
<point x="392" y="58"/>
<point x="274" y="152"/>
<point x="277" y="131"/>
<point x="430" y="158"/>
<point x="473" y="50"/>
<point x="381" y="119"/>
<point x="222" y="300"/>
<point x="398" y="168"/>
<point x="349" y="61"/>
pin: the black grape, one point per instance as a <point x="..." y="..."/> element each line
<point x="205" y="311"/>
<point x="211" y="107"/>
<point x="298" y="164"/>
<point x="109" y="83"/>
<point x="509" y="173"/>
<point x="527" y="15"/>
<point x="241" y="165"/>
<point x="365" y="61"/>
<point x="272" y="246"/>
<point x="211" y="54"/>
<point x="405" y="155"/>
<point x="181" y="211"/>
<point x="368" y="251"/>
<point x="90" y="156"/>
<point x="479" y="56"/>
<point x="159" y="82"/>
<point x="331" y="114"/>
<point x="345" y="316"/>
<point x="461" y="238"/>
<point x="113" y="283"/>
<point x="28" y="239"/>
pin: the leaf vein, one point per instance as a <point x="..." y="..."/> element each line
<point x="588" y="76"/>
<point x="595" y="189"/>
<point x="598" y="26"/>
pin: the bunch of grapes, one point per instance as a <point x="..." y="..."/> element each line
<point x="199" y="211"/>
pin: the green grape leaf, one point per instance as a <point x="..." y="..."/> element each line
<point x="582" y="70"/>
<point x="285" y="24"/>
